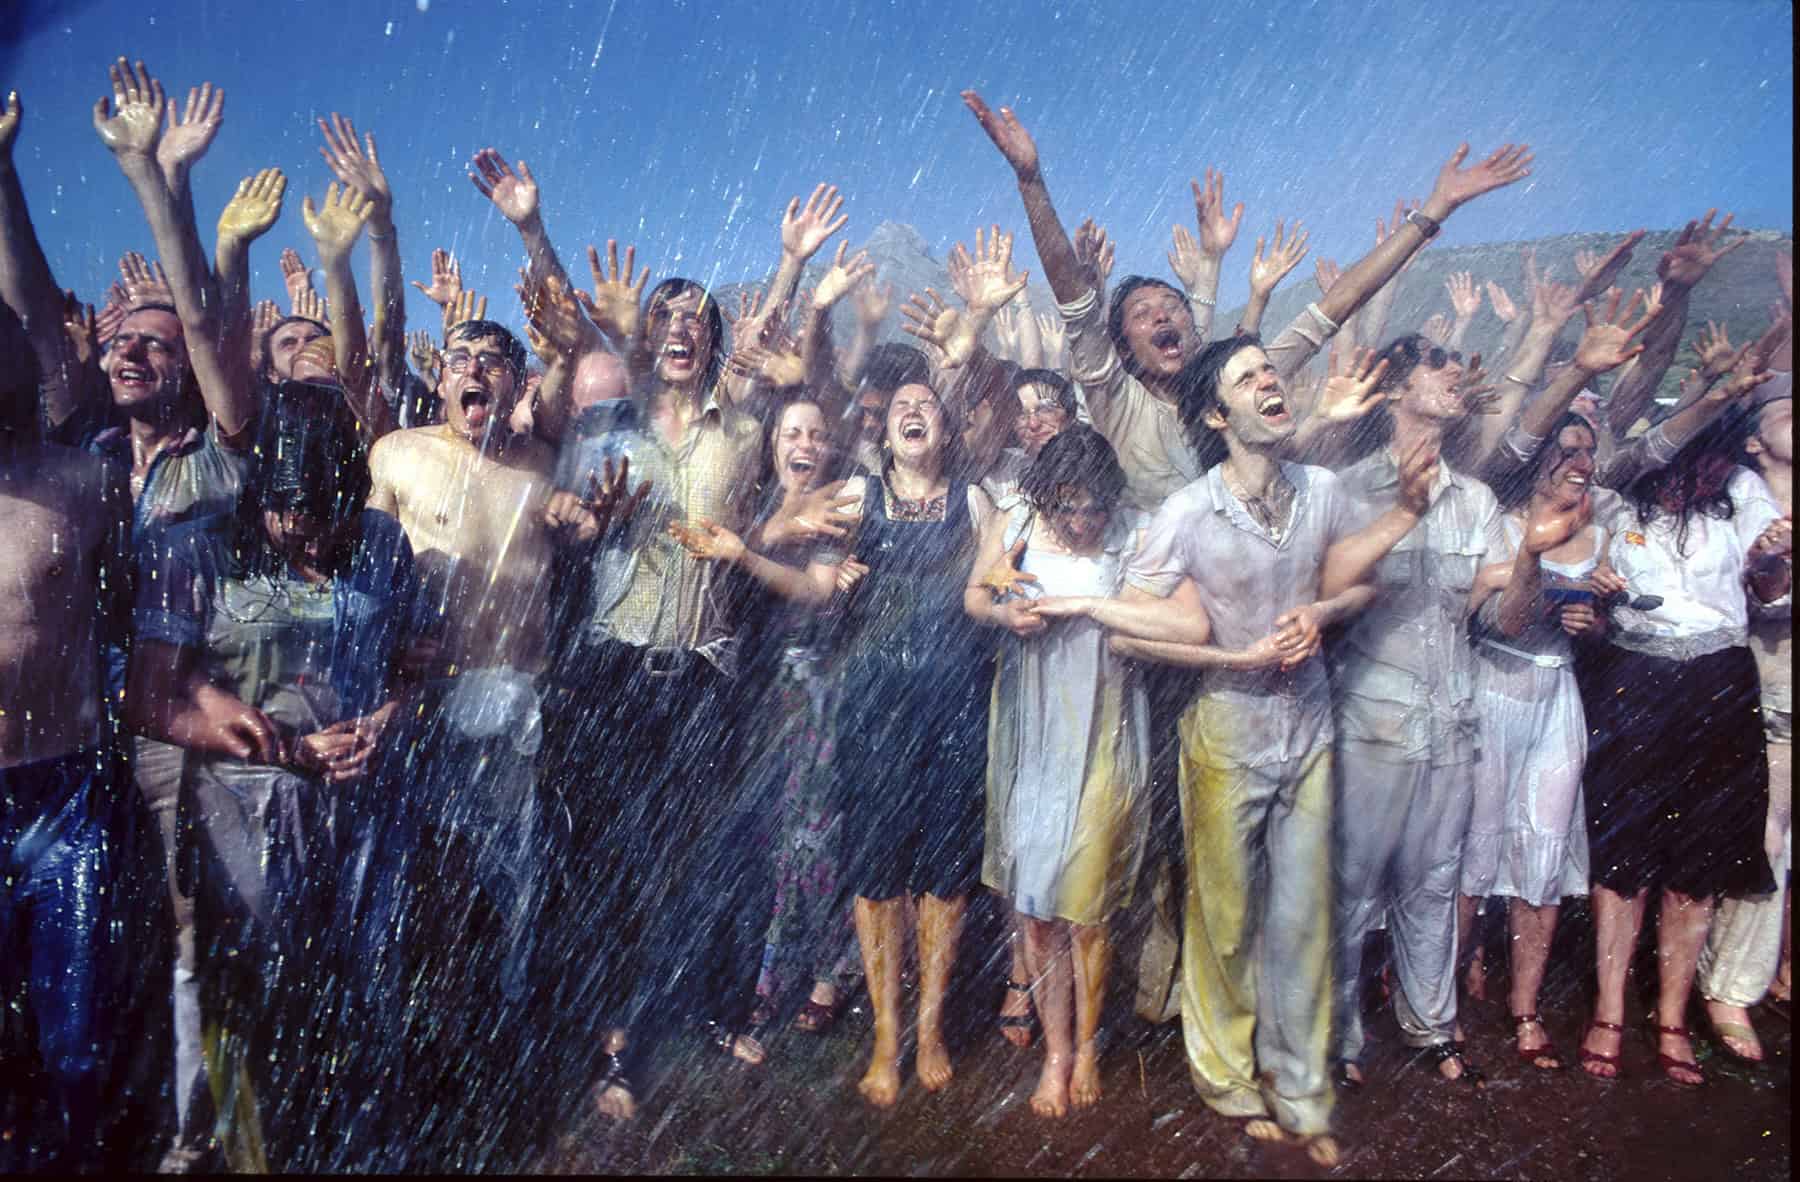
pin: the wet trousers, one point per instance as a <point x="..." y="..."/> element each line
<point x="1743" y="951"/>
<point x="156" y="767"/>
<point x="1256" y="947"/>
<point x="1399" y="837"/>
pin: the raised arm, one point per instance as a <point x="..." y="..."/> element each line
<point x="816" y="353"/>
<point x="250" y="213"/>
<point x="1197" y="262"/>
<point x="334" y="227"/>
<point x="130" y="125"/>
<point x="358" y="167"/>
<point x="1266" y="271"/>
<point x="515" y="195"/>
<point x="1465" y="303"/>
<point x="871" y="302"/>
<point x="27" y="285"/>
<point x="804" y="229"/>
<point x="1062" y="270"/>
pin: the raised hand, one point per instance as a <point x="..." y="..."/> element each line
<point x="804" y="229"/>
<point x="1458" y="186"/>
<point x="294" y="276"/>
<point x="1005" y="578"/>
<point x="254" y="208"/>
<point x="1352" y="394"/>
<point x="446" y="278"/>
<point x="616" y="301"/>
<point x="1465" y="297"/>
<point x="1094" y="251"/>
<point x="936" y="323"/>
<point x="1601" y="270"/>
<point x="514" y="194"/>
<point x="1054" y="335"/>
<point x="130" y="124"/>
<point x="1282" y="258"/>
<point x="1714" y="350"/>
<point x="1745" y="377"/>
<point x="1006" y="330"/>
<point x="358" y="167"/>
<point x="1501" y="303"/>
<point x="1326" y="275"/>
<point x="842" y="277"/>
<point x="422" y="351"/>
<point x="1418" y="472"/>
<point x="1185" y="258"/>
<point x="82" y="329"/>
<point x="872" y="301"/>
<point x="188" y="133"/>
<point x="1606" y="344"/>
<point x="1436" y="329"/>
<point x="1008" y="135"/>
<point x="779" y="367"/>
<point x="1480" y="397"/>
<point x="1698" y="247"/>
<point x="263" y="317"/>
<point x="1552" y="304"/>
<point x="112" y="314"/>
<point x="990" y="282"/>
<point x="466" y="306"/>
<point x="144" y="280"/>
<point x="312" y="305"/>
<point x="335" y="225"/>
<point x="553" y="314"/>
<point x="1217" y="231"/>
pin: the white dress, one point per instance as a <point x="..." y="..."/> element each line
<point x="1067" y="750"/>
<point x="1528" y="833"/>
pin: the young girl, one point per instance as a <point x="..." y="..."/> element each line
<point x="1067" y="747"/>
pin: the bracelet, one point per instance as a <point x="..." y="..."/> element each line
<point x="1427" y="224"/>
<point x="374" y="237"/>
<point x="1202" y="301"/>
<point x="1520" y="381"/>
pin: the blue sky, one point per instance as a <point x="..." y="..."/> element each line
<point x="685" y="126"/>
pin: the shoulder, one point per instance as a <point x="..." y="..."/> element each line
<point x="1746" y="485"/>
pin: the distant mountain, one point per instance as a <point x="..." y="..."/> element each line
<point x="1737" y="293"/>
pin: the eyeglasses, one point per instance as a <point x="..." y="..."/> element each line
<point x="1041" y="414"/>
<point x="1408" y="353"/>
<point x="459" y="360"/>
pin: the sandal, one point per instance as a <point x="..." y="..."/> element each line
<point x="1532" y="1056"/>
<point x="1439" y="1053"/>
<point x="1587" y="1056"/>
<point x="613" y="1075"/>
<point x="1028" y="1021"/>
<point x="1340" y="1075"/>
<point x="739" y="1048"/>
<point x="1725" y="1032"/>
<point x="1670" y="1064"/>
<point x="816" y="1017"/>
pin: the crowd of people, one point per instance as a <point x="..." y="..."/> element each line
<point x="394" y="725"/>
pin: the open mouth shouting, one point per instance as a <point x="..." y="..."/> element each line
<point x="1272" y="407"/>
<point x="913" y="430"/>
<point x="477" y="407"/>
<point x="136" y="379"/>
<point x="1167" y="342"/>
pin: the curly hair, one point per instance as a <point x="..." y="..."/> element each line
<point x="1078" y="456"/>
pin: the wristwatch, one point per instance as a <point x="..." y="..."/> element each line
<point x="1427" y="224"/>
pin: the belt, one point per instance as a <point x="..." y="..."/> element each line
<point x="1541" y="660"/>
<point x="667" y="661"/>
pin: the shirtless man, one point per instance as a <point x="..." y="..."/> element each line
<point x="68" y="814"/>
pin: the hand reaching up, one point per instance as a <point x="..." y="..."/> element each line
<point x="188" y="133"/>
<point x="514" y="194"/>
<point x="1606" y="344"/>
<point x="1007" y="134"/>
<point x="358" y="167"/>
<point x="1283" y="257"/>
<point x="336" y="224"/>
<point x="804" y="229"/>
<point x="144" y="280"/>
<point x="1352" y="394"/>
<point x="130" y="125"/>
<point x="615" y="305"/>
<point x="1600" y="270"/>
<point x="254" y="208"/>
<point x="1698" y="247"/>
<point x="1217" y="231"/>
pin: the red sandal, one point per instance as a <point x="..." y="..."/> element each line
<point x="1670" y="1064"/>
<point x="1587" y="1056"/>
<point x="1547" y="1051"/>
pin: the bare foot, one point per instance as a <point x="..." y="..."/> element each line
<point x="1601" y="1041"/>
<point x="1780" y="989"/>
<point x="1052" y="1095"/>
<point x="747" y="1050"/>
<point x="880" y="1085"/>
<point x="1323" y="1150"/>
<point x="1015" y="1015"/>
<point x="616" y="1103"/>
<point x="1263" y="1129"/>
<point x="933" y="1064"/>
<point x="1084" y="1081"/>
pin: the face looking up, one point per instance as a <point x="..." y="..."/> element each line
<point x="915" y="423"/>
<point x="1040" y="418"/>
<point x="802" y="446"/>
<point x="1251" y="404"/>
<point x="1159" y="330"/>
<point x="477" y="384"/>
<point x="146" y="360"/>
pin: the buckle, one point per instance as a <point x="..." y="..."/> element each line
<point x="665" y="662"/>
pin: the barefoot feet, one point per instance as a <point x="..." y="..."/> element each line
<point x="1084" y="1080"/>
<point x="933" y="1062"/>
<point x="880" y="1085"/>
<point x="1052" y="1095"/>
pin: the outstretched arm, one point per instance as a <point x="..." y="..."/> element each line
<point x="515" y="195"/>
<point x="130" y="125"/>
<point x="1062" y="270"/>
<point x="27" y="285"/>
<point x="358" y="167"/>
<point x="335" y="226"/>
<point x="252" y="210"/>
<point x="1268" y="270"/>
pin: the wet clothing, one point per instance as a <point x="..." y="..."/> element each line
<point x="79" y="905"/>
<point x="1068" y="748"/>
<point x="912" y="723"/>
<point x="1528" y="833"/>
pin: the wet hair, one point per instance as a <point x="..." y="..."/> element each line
<point x="475" y="330"/>
<point x="1197" y="392"/>
<point x="952" y="451"/>
<point x="1115" y="316"/>
<point x="307" y="457"/>
<point x="1516" y="487"/>
<point x="842" y="433"/>
<point x="1062" y="390"/>
<point x="891" y="366"/>
<point x="1722" y="439"/>
<point x="1081" y="457"/>
<point x="267" y="373"/>
<point x="674" y="288"/>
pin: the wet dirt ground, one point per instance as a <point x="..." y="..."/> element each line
<point x="800" y="1113"/>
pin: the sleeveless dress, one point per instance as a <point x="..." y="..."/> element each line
<point x="1528" y="832"/>
<point x="1068" y="750"/>
<point x="912" y="721"/>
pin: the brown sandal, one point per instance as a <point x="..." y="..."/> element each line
<point x="1670" y="1064"/>
<point x="1612" y="1061"/>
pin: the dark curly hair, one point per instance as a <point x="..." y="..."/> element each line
<point x="1680" y="479"/>
<point x="1078" y="456"/>
<point x="1197" y="392"/>
<point x="307" y="457"/>
<point x="1514" y="489"/>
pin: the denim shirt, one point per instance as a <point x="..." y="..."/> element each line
<point x="190" y="597"/>
<point x="1405" y="670"/>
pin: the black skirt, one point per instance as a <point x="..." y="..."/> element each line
<point x="1677" y="779"/>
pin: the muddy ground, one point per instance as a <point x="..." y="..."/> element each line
<point x="800" y="1113"/>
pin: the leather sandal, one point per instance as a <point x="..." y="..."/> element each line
<point x="1028" y="1021"/>
<point x="1547" y="1051"/>
<point x="1439" y="1053"/>
<point x="1587" y="1056"/>
<point x="1670" y="1064"/>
